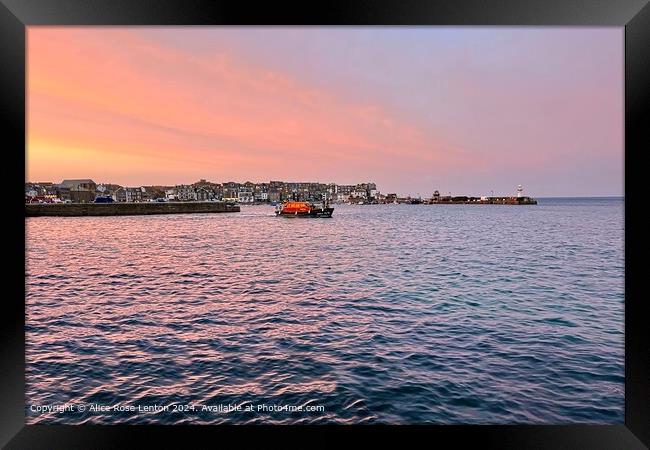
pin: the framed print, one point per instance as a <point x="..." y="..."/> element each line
<point x="391" y="219"/>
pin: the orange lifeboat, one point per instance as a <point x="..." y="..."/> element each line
<point x="296" y="208"/>
<point x="303" y="209"/>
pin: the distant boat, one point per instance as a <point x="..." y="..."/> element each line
<point x="303" y="209"/>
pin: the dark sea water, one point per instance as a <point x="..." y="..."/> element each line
<point x="381" y="314"/>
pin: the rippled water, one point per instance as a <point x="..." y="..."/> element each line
<point x="384" y="313"/>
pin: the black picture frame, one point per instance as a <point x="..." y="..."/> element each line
<point x="16" y="15"/>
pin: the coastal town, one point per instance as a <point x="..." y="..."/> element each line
<point x="248" y="193"/>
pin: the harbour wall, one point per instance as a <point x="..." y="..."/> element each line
<point x="506" y="201"/>
<point x="126" y="209"/>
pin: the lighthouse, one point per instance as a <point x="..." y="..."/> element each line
<point x="520" y="191"/>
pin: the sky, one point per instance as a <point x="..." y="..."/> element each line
<point x="462" y="110"/>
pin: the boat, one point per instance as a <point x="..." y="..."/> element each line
<point x="303" y="209"/>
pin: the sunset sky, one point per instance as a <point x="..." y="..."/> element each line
<point x="462" y="110"/>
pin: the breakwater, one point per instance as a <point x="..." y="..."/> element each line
<point x="483" y="201"/>
<point x="460" y="200"/>
<point x="126" y="209"/>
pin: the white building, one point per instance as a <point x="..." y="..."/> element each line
<point x="204" y="194"/>
<point x="261" y="196"/>
<point x="245" y="196"/>
<point x="135" y="194"/>
<point x="185" y="193"/>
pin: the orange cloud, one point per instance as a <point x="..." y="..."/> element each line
<point x="108" y="104"/>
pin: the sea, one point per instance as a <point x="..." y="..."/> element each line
<point x="391" y="314"/>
